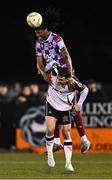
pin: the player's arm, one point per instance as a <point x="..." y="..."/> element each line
<point x="67" y="58"/>
<point x="83" y="95"/>
<point x="39" y="58"/>
<point x="64" y="52"/>
<point x="83" y="90"/>
<point x="40" y="64"/>
<point x="41" y="68"/>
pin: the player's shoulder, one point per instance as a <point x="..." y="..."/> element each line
<point x="56" y="37"/>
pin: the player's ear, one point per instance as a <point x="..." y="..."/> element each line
<point x="71" y="83"/>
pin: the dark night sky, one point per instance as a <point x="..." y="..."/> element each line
<point x="87" y="33"/>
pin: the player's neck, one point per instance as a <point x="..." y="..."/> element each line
<point x="47" y="35"/>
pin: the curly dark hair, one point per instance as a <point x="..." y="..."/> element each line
<point x="52" y="18"/>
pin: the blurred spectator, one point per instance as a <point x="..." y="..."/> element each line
<point x="34" y="88"/>
<point x="3" y="93"/>
<point x="24" y="97"/>
<point x="14" y="91"/>
<point x="8" y="93"/>
<point x="96" y="92"/>
<point x="7" y="133"/>
<point x="30" y="94"/>
<point x="22" y="103"/>
<point x="36" y="95"/>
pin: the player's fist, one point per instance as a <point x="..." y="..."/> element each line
<point x="76" y="108"/>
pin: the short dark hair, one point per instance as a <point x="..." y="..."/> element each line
<point x="64" y="72"/>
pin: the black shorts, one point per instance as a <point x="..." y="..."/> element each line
<point x="63" y="117"/>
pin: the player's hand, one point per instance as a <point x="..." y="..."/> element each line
<point x="76" y="108"/>
<point x="71" y="83"/>
<point x="47" y="77"/>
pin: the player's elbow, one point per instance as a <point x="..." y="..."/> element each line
<point x="86" y="90"/>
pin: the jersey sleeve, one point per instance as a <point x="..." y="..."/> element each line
<point x="38" y="51"/>
<point x="59" y="41"/>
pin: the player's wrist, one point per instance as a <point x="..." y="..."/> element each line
<point x="43" y="73"/>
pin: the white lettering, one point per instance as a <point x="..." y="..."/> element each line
<point x="97" y="109"/>
<point x="98" y="121"/>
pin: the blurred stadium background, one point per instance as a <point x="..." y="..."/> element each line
<point x="87" y="34"/>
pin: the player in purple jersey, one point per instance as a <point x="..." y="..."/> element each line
<point x="50" y="48"/>
<point x="49" y="45"/>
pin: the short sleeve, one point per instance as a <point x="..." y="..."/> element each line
<point x="38" y="51"/>
<point x="59" y="42"/>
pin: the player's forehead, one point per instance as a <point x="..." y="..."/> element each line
<point x="61" y="78"/>
<point x="39" y="30"/>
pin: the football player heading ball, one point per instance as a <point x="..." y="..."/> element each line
<point x="51" y="47"/>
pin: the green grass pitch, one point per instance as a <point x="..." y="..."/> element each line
<point x="34" y="166"/>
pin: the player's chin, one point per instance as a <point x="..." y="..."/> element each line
<point x="40" y="38"/>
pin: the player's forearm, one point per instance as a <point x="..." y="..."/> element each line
<point x="40" y="67"/>
<point x="68" y="61"/>
<point x="83" y="95"/>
